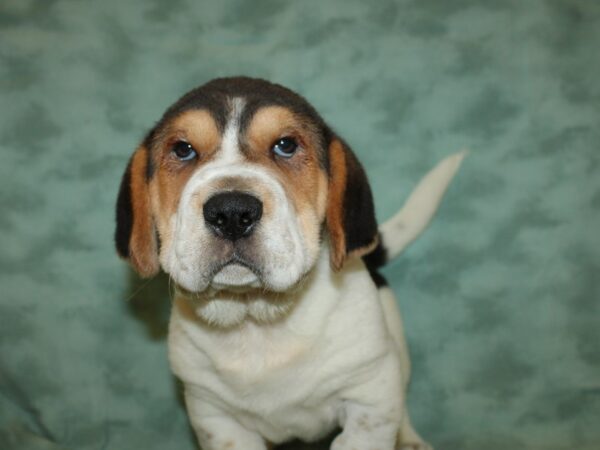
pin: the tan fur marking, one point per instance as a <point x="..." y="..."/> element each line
<point x="335" y="204"/>
<point x="170" y="185"/>
<point x="196" y="127"/>
<point x="270" y="123"/>
<point x="142" y="245"/>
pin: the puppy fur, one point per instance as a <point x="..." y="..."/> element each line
<point x="287" y="332"/>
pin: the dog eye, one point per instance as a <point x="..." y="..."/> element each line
<point x="184" y="151"/>
<point x="286" y="147"/>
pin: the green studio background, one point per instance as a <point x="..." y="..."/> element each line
<point x="500" y="295"/>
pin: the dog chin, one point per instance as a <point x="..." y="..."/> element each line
<point x="235" y="293"/>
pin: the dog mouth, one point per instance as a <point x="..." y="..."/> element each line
<point x="235" y="274"/>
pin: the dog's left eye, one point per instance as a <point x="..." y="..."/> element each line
<point x="184" y="151"/>
<point x="285" y="147"/>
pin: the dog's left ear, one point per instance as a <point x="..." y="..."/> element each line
<point x="350" y="218"/>
<point x="135" y="233"/>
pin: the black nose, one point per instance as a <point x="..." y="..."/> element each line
<point x="232" y="215"/>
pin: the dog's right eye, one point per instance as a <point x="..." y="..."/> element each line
<point x="184" y="151"/>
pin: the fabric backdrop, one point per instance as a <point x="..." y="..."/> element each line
<point x="500" y="295"/>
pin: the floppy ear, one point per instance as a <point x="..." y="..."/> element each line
<point x="350" y="213"/>
<point x="135" y="234"/>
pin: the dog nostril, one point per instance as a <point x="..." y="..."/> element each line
<point x="245" y="219"/>
<point x="220" y="220"/>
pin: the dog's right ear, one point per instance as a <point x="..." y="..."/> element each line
<point x="135" y="234"/>
<point x="350" y="217"/>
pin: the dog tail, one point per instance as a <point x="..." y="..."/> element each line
<point x="418" y="210"/>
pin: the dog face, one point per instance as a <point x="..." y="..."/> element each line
<point x="237" y="187"/>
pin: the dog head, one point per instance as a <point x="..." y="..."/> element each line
<point x="237" y="187"/>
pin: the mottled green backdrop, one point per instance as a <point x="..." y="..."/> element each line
<point x="500" y="296"/>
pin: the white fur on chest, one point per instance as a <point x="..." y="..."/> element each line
<point x="289" y="378"/>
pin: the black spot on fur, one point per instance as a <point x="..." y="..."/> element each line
<point x="124" y="214"/>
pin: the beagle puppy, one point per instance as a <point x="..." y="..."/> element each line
<point x="263" y="218"/>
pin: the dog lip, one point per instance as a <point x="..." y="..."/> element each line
<point x="235" y="275"/>
<point x="238" y="260"/>
<point x="236" y="272"/>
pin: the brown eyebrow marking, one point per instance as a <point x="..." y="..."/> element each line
<point x="297" y="121"/>
<point x="273" y="122"/>
<point x="196" y="126"/>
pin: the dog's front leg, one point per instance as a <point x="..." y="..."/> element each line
<point x="216" y="430"/>
<point x="365" y="428"/>
<point x="370" y="413"/>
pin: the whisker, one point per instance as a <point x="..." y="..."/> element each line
<point x="140" y="288"/>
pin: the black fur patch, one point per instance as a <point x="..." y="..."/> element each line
<point x="124" y="214"/>
<point x="377" y="258"/>
<point x="374" y="260"/>
<point x="378" y="278"/>
<point x="360" y="225"/>
<point x="212" y="100"/>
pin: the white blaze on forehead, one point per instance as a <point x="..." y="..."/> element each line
<point x="230" y="145"/>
